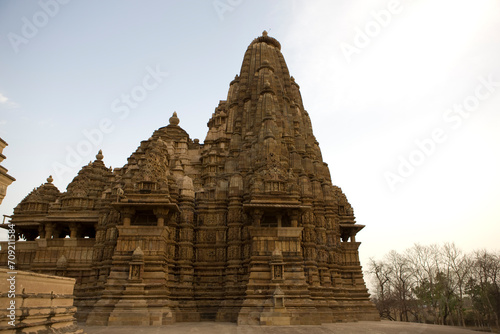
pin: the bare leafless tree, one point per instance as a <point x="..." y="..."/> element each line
<point x="441" y="284"/>
<point x="460" y="266"/>
<point x="403" y="279"/>
<point x="381" y="273"/>
<point x="486" y="271"/>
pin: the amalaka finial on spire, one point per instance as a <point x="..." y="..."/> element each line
<point x="99" y="155"/>
<point x="267" y="39"/>
<point x="50" y="179"/>
<point x="174" y="120"/>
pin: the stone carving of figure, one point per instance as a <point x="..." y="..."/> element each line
<point x="136" y="272"/>
<point x="278" y="272"/>
<point x="119" y="194"/>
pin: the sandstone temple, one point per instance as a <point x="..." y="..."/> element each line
<point x="245" y="227"/>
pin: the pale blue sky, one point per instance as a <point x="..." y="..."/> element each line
<point x="368" y="107"/>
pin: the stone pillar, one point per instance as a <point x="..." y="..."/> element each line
<point x="257" y="216"/>
<point x="161" y="215"/>
<point x="41" y="231"/>
<point x="49" y="229"/>
<point x="73" y="230"/>
<point x="127" y="214"/>
<point x="294" y="218"/>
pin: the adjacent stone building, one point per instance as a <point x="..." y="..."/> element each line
<point x="245" y="227"/>
<point x="5" y="179"/>
<point x="33" y="303"/>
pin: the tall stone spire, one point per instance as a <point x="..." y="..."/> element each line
<point x="264" y="118"/>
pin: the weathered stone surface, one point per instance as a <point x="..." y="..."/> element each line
<point x="5" y="179"/>
<point x="221" y="231"/>
<point x="36" y="303"/>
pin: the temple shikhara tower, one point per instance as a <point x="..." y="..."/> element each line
<point x="245" y="227"/>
